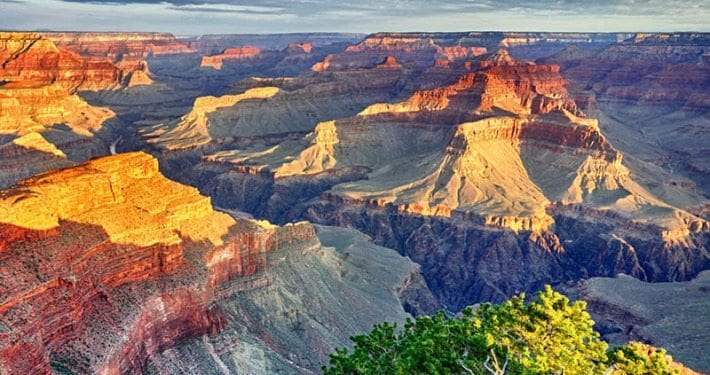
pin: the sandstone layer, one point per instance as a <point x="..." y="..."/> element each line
<point x="107" y="265"/>
<point x="502" y="150"/>
<point x="243" y="53"/>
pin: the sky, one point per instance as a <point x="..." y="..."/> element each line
<point x="193" y="17"/>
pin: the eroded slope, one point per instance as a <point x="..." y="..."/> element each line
<point x="107" y="264"/>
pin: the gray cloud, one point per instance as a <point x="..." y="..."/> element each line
<point x="215" y="16"/>
<point x="638" y="7"/>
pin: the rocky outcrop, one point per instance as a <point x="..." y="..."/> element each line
<point x="657" y="313"/>
<point x="117" y="186"/>
<point x="43" y="128"/>
<point x="26" y="156"/>
<point x="193" y="129"/>
<point x="507" y="148"/>
<point x="389" y="63"/>
<point x="297" y="107"/>
<point x="28" y="59"/>
<point x="236" y="54"/>
<point x="34" y="109"/>
<point x="306" y="47"/>
<point x="651" y="93"/>
<point x="134" y="72"/>
<point x="107" y="264"/>
<point x="114" y="45"/>
<point x="499" y="82"/>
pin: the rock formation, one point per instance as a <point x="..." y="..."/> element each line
<point x="651" y="90"/>
<point x="506" y="146"/>
<point x="28" y="59"/>
<point x="243" y="53"/>
<point x="668" y="315"/>
<point x="108" y="264"/>
<point x="113" y="45"/>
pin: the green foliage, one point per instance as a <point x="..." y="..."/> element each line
<point x="546" y="336"/>
<point x="641" y="359"/>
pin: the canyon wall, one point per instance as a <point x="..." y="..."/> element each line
<point x="145" y="263"/>
<point x="501" y="160"/>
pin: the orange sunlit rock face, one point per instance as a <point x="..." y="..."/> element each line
<point x="126" y="183"/>
<point x="113" y="260"/>
<point x="31" y="60"/>
<point x="236" y="54"/>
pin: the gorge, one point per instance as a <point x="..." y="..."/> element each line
<point x="245" y="203"/>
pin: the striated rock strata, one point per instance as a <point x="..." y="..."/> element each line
<point x="106" y="265"/>
<point x="502" y="165"/>
<point x="243" y="53"/>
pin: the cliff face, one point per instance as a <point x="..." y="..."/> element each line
<point x="243" y="53"/>
<point x="40" y="104"/>
<point x="78" y="61"/>
<point x="30" y="59"/>
<point x="106" y="264"/>
<point x="113" y="45"/>
<point x="651" y="91"/>
<point x="660" y="314"/>
<point x="501" y="160"/>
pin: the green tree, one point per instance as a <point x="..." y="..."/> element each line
<point x="642" y="359"/>
<point x="546" y="336"/>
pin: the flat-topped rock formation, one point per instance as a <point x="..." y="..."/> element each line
<point x="212" y="44"/>
<point x="113" y="45"/>
<point x="508" y="145"/>
<point x="243" y="53"/>
<point x="108" y="264"/>
<point x="118" y="184"/>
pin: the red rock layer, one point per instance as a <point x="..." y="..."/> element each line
<point x="71" y="299"/>
<point x="241" y="53"/>
<point x="115" y="45"/>
<point x="30" y="60"/>
<point x="390" y="63"/>
<point x="496" y="83"/>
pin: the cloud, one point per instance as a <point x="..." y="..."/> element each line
<point x="413" y="7"/>
<point x="228" y="8"/>
<point x="264" y="16"/>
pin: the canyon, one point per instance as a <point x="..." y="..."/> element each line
<point x="86" y="291"/>
<point x="402" y="172"/>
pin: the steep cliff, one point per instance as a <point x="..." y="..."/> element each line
<point x="504" y="162"/>
<point x="670" y="315"/>
<point x="651" y="91"/>
<point x="243" y="53"/>
<point x="28" y="59"/>
<point x="112" y="45"/>
<point x="107" y="264"/>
